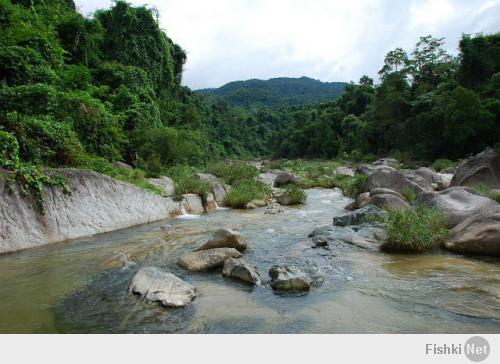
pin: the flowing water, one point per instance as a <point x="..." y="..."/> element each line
<point x="73" y="288"/>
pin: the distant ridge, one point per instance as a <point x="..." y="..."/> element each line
<point x="275" y="92"/>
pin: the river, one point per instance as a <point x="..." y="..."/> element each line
<point x="69" y="288"/>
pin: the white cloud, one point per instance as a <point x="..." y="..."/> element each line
<point x="332" y="40"/>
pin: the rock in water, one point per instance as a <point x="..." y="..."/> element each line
<point x="218" y="188"/>
<point x="479" y="234"/>
<point x="482" y="169"/>
<point x="368" y="212"/>
<point x="397" y="181"/>
<point x="192" y="203"/>
<point x="159" y="286"/>
<point x="207" y="259"/>
<point x="457" y="203"/>
<point x="289" y="279"/>
<point x="241" y="270"/>
<point x="225" y="238"/>
<point x="273" y="209"/>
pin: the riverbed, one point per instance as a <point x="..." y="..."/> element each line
<point x="71" y="287"/>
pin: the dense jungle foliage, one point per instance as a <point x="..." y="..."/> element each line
<point x="428" y="105"/>
<point x="87" y="91"/>
<point x="254" y="94"/>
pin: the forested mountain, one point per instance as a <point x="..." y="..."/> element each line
<point x="276" y="92"/>
<point x="428" y="105"/>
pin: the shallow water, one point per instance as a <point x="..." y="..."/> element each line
<point x="69" y="287"/>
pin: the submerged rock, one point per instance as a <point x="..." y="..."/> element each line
<point x="241" y="270"/>
<point x="159" y="286"/>
<point x="290" y="279"/>
<point x="479" y="234"/>
<point x="273" y="209"/>
<point x="207" y="259"/>
<point x="368" y="212"/>
<point x="225" y="238"/>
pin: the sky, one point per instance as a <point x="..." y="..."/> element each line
<point x="329" y="40"/>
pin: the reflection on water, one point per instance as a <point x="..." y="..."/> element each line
<point x="77" y="287"/>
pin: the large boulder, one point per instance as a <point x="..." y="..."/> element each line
<point x="482" y="169"/>
<point x="360" y="201"/>
<point x="165" y="184"/>
<point x="225" y="238"/>
<point x="368" y="212"/>
<point x="241" y="270"/>
<point x="204" y="260"/>
<point x="366" y="236"/>
<point x="290" y="279"/>
<point x="457" y="203"/>
<point x="267" y="178"/>
<point x="384" y="191"/>
<point x="387" y="201"/>
<point x="369" y="169"/>
<point x="96" y="204"/>
<point x="396" y="181"/>
<point x="217" y="187"/>
<point x="285" y="178"/>
<point x="156" y="285"/>
<point x="192" y="203"/>
<point x="479" y="234"/>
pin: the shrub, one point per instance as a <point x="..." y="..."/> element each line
<point x="184" y="181"/>
<point x="295" y="195"/>
<point x="351" y="186"/>
<point x="233" y="172"/>
<point x="246" y="191"/>
<point x="415" y="230"/>
<point x="441" y="164"/>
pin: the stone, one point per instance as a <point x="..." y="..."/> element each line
<point x="385" y="162"/>
<point x="209" y="203"/>
<point x="241" y="270"/>
<point x="288" y="278"/>
<point x="365" y="236"/>
<point x="267" y="178"/>
<point x="273" y="209"/>
<point x="368" y="212"/>
<point x="165" y="184"/>
<point x="192" y="203"/>
<point x="396" y="181"/>
<point x="482" y="169"/>
<point x="225" y="238"/>
<point x="345" y="171"/>
<point x="457" y="203"/>
<point x="478" y="234"/>
<point x="369" y="169"/>
<point x="320" y="241"/>
<point x="122" y="165"/>
<point x="385" y="191"/>
<point x="217" y="187"/>
<point x="96" y="204"/>
<point x="205" y="260"/>
<point x="285" y="178"/>
<point x="387" y="201"/>
<point x="155" y="285"/>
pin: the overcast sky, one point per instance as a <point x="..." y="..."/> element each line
<point x="330" y="40"/>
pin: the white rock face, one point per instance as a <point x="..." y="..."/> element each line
<point x="156" y="285"/>
<point x="97" y="204"/>
<point x="192" y="203"/>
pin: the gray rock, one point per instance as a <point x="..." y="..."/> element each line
<point x="385" y="162"/>
<point x="396" y="181"/>
<point x="166" y="184"/>
<point x="156" y="285"/>
<point x="267" y="178"/>
<point x="365" y="236"/>
<point x="345" y="171"/>
<point x="209" y="203"/>
<point x="320" y="241"/>
<point x="192" y="203"/>
<point x="482" y="169"/>
<point x="207" y="259"/>
<point x="385" y="191"/>
<point x="457" y="203"/>
<point x="369" y="169"/>
<point x="479" y="234"/>
<point x="285" y="178"/>
<point x="241" y="270"/>
<point x="225" y="238"/>
<point x="388" y="201"/>
<point x="273" y="209"/>
<point x="428" y="174"/>
<point x="289" y="279"/>
<point x="368" y="212"/>
<point x="122" y="165"/>
<point x="217" y="187"/>
<point x="96" y="204"/>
